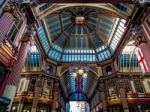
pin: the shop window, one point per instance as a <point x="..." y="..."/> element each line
<point x="50" y="69"/>
<point x="108" y="70"/>
<point x="27" y="107"/>
<point x="127" y="85"/>
<point x="32" y="85"/>
<point x="43" y="108"/>
<point x="14" y="107"/>
<point x="112" y="86"/>
<point x="14" y="30"/>
<point x="2" y="72"/>
<point x="46" y="88"/>
<point x="138" y="86"/>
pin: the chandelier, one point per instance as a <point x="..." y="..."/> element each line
<point x="80" y="72"/>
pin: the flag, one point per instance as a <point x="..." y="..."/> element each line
<point x="78" y="84"/>
<point x="141" y="61"/>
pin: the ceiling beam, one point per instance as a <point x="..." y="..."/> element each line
<point x="66" y="27"/>
<point x="90" y="40"/>
<point x="105" y="13"/>
<point x="89" y="36"/>
<point x="67" y="14"/>
<point x="61" y="23"/>
<point x="101" y="36"/>
<point x="73" y="12"/>
<point x="87" y="12"/>
<point x="67" y="39"/>
<point x="96" y="5"/>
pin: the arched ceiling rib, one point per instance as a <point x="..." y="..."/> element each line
<point x="105" y="6"/>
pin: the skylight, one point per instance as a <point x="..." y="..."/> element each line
<point x="80" y="34"/>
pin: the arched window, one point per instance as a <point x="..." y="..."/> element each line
<point x="128" y="61"/>
<point x="108" y="70"/>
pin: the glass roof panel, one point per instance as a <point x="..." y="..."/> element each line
<point x="81" y="34"/>
<point x="43" y="38"/>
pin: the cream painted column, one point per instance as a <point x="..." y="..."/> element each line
<point x="59" y="71"/>
<point x="100" y="73"/>
<point x="15" y="75"/>
<point x="20" y="106"/>
<point x="123" y="95"/>
<point x="146" y="85"/>
<point x="132" y="86"/>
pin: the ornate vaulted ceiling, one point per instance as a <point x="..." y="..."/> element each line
<point x="82" y="33"/>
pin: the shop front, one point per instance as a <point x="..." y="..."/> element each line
<point x="6" y="60"/>
<point x="4" y="102"/>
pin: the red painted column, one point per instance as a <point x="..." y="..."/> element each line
<point x="103" y="96"/>
<point x="15" y="75"/>
<point x="38" y="90"/>
<point x="55" y="96"/>
<point x="123" y="95"/>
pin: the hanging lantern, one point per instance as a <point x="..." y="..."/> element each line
<point x="74" y="74"/>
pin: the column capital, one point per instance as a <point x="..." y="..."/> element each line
<point x="13" y="10"/>
<point x="27" y="38"/>
<point x="139" y="40"/>
<point x="31" y="30"/>
<point x="29" y="35"/>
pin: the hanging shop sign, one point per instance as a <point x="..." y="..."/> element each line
<point x="4" y="101"/>
<point x="4" y="58"/>
<point x="6" y="54"/>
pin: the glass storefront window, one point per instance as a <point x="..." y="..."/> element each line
<point x="43" y="108"/>
<point x="46" y="88"/>
<point x="2" y="72"/>
<point x="27" y="107"/>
